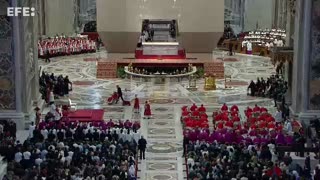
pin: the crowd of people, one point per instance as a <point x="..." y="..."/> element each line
<point x="52" y="86"/>
<point x="240" y="147"/>
<point x="273" y="87"/>
<point x="73" y="150"/>
<point x="62" y="45"/>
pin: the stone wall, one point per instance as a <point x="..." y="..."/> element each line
<point x="258" y="12"/>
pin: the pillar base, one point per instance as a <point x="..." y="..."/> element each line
<point x="18" y="118"/>
<point x="305" y="117"/>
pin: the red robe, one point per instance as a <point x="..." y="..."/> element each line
<point x="147" y="110"/>
<point x="136" y="104"/>
<point x="256" y="109"/>
<point x="202" y="109"/>
<point x="229" y="124"/>
<point x="193" y="107"/>
<point x="236" y="118"/>
<point x="234" y="108"/>
<point x="263" y="109"/>
<point x="185" y="113"/>
<point x="224" y="108"/>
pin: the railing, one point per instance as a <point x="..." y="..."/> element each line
<point x="137" y="162"/>
<point x="186" y="161"/>
<point x="126" y="69"/>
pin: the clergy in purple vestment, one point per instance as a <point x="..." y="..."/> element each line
<point x="110" y="123"/>
<point x="127" y="124"/>
<point x="193" y="136"/>
<point x="120" y="124"/>
<point x="280" y="139"/>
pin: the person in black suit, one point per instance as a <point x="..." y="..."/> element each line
<point x="119" y="94"/>
<point x="142" y="147"/>
<point x="185" y="144"/>
<point x="47" y="56"/>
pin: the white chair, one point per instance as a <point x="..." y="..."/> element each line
<point x="73" y="106"/>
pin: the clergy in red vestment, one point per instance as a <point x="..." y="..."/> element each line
<point x="185" y="113"/>
<point x="193" y="107"/>
<point x="224" y="107"/>
<point x="202" y="108"/>
<point x="147" y="110"/>
<point x="195" y="113"/>
<point x="136" y="106"/>
<point x="256" y="108"/>
<point x="234" y="108"/>
<point x="236" y="118"/>
<point x="220" y="125"/>
<point x="217" y="117"/>
<point x="225" y="117"/>
<point x="229" y="124"/>
<point x="263" y="110"/>
<point x="271" y="125"/>
<point x="234" y="113"/>
<point x="184" y="108"/>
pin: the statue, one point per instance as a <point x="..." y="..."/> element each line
<point x="130" y="68"/>
<point x="189" y="67"/>
<point x="210" y="82"/>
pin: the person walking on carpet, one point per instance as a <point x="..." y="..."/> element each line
<point x="119" y="91"/>
<point x="147" y="110"/>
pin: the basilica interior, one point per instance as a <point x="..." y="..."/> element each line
<point x="160" y="90"/>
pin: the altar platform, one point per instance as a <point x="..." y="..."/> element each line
<point x="107" y="67"/>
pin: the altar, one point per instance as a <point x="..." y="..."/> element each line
<point x="160" y="48"/>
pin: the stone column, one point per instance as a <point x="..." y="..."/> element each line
<point x="302" y="58"/>
<point x="297" y="61"/>
<point x="18" y="64"/>
<point x="275" y="13"/>
<point x="10" y="76"/>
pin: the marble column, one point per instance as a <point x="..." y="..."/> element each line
<point x="275" y="13"/>
<point x="302" y="59"/>
<point x="18" y="64"/>
<point x="289" y="24"/>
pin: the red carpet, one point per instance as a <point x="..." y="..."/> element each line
<point x="86" y="115"/>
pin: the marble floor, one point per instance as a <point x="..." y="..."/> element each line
<point x="163" y="132"/>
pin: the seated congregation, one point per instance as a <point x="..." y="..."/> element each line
<point x="238" y="147"/>
<point x="73" y="150"/>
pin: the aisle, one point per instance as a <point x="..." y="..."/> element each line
<point x="164" y="135"/>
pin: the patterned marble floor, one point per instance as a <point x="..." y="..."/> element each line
<point x="163" y="132"/>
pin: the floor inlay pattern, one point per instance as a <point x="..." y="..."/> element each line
<point x="163" y="131"/>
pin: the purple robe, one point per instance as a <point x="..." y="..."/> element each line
<point x="127" y="124"/>
<point x="289" y="140"/>
<point x="110" y="124"/>
<point x="280" y="139"/>
<point x="192" y="136"/>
